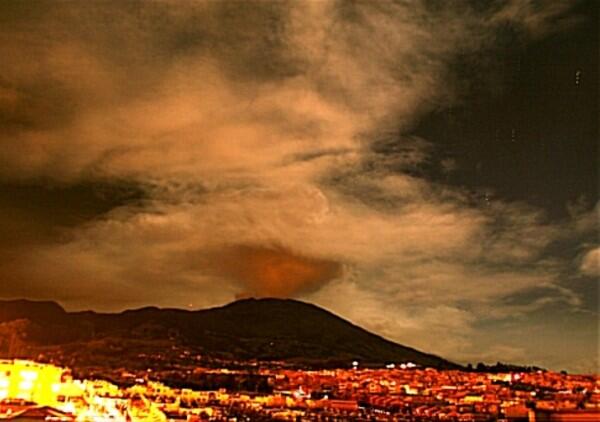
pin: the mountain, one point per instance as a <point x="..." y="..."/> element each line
<point x="26" y="309"/>
<point x="263" y="329"/>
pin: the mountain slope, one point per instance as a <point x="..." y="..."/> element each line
<point x="268" y="329"/>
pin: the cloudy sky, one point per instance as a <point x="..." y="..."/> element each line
<point x="427" y="170"/>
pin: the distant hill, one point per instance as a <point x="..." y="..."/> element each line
<point x="263" y="329"/>
<point x="27" y="309"/>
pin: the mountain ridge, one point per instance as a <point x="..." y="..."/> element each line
<point x="263" y="329"/>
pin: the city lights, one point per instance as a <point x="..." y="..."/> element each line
<point x="410" y="394"/>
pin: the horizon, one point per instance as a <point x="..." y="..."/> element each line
<point x="426" y="171"/>
<point x="183" y="308"/>
<point x="464" y="365"/>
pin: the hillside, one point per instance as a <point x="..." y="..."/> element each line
<point x="263" y="329"/>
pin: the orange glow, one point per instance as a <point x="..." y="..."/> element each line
<point x="275" y="272"/>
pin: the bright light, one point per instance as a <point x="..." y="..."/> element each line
<point x="55" y="388"/>
<point x="29" y="375"/>
<point x="25" y="385"/>
<point x="69" y="408"/>
<point x="4" y="383"/>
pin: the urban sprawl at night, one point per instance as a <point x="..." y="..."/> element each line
<point x="272" y="391"/>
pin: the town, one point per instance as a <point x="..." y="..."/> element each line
<point x="32" y="390"/>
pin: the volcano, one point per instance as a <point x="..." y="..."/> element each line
<point x="249" y="329"/>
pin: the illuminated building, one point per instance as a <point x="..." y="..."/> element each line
<point x="30" y="381"/>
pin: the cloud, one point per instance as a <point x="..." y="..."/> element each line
<point x="272" y="272"/>
<point x="590" y="264"/>
<point x="269" y="146"/>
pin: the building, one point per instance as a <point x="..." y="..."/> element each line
<point x="30" y="381"/>
<point x="573" y="415"/>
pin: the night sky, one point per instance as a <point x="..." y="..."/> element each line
<point x="427" y="170"/>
